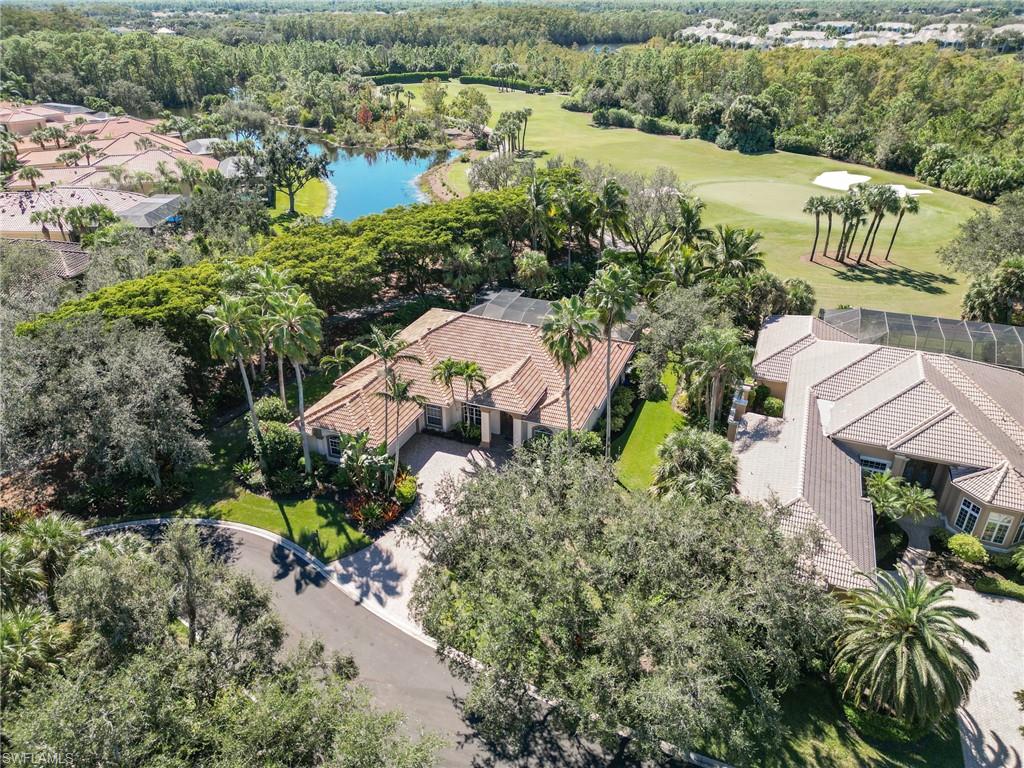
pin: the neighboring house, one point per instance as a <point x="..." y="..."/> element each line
<point x="522" y="396"/>
<point x="16" y="209"/>
<point x="98" y="173"/>
<point x="69" y="259"/>
<point x="949" y="424"/>
<point x="21" y="121"/>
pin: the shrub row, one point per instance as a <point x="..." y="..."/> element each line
<point x="518" y="85"/>
<point x="410" y="77"/>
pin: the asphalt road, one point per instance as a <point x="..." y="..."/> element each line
<point x="402" y="673"/>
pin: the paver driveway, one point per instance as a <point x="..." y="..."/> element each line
<point x="990" y="722"/>
<point x="383" y="574"/>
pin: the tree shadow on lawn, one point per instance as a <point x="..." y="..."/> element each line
<point x="891" y="274"/>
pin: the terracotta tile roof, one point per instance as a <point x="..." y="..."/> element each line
<point x="517" y="389"/>
<point x="518" y="368"/>
<point x="829" y="559"/>
<point x="782" y="332"/>
<point x="888" y="421"/>
<point x="1000" y="486"/>
<point x="16" y="208"/>
<point x="867" y="368"/>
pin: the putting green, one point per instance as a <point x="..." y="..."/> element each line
<point x="766" y="192"/>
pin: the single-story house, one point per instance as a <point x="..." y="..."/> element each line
<point x="947" y="423"/>
<point x="521" y="397"/>
<point x="16" y="209"/>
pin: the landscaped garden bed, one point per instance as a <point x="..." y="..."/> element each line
<point x="961" y="559"/>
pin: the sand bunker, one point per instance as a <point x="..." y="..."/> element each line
<point x="843" y="180"/>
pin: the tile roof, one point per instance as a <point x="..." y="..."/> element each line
<point x="828" y="558"/>
<point x="16" y="208"/>
<point x="69" y="259"/>
<point x="1000" y="486"/>
<point x="922" y="405"/>
<point x="520" y="373"/>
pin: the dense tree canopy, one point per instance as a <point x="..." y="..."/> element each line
<point x="671" y="620"/>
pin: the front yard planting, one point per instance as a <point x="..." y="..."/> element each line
<point x="637" y="446"/>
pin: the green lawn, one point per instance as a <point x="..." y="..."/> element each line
<point x="311" y="200"/>
<point x="637" y="446"/>
<point x="318" y="524"/>
<point x="766" y="192"/>
<point x="820" y="736"/>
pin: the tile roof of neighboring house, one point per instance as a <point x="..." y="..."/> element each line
<point x="520" y="375"/>
<point x="1001" y="486"/>
<point x="105" y="148"/>
<point x="69" y="259"/>
<point x="16" y="208"/>
<point x="919" y="404"/>
<point x="98" y="174"/>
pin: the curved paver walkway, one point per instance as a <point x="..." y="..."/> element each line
<point x="382" y="575"/>
<point x="990" y="722"/>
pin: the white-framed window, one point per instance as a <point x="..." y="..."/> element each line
<point x="334" y="446"/>
<point x="1018" y="537"/>
<point x="471" y="414"/>
<point x="967" y="517"/>
<point x="433" y="416"/>
<point x="869" y="465"/>
<point x="996" y="528"/>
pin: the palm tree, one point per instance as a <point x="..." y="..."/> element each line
<point x="445" y="372"/>
<point x="688" y="231"/>
<point x="20" y="573"/>
<point x="398" y="390"/>
<point x="732" y="252"/>
<point x="579" y="208"/>
<point x="30" y="645"/>
<point x="472" y="376"/>
<point x="610" y="207"/>
<point x="39" y="136"/>
<point x="880" y="200"/>
<point x="916" y="503"/>
<point x="612" y="293"/>
<point x="235" y="336"/>
<point x="815" y="206"/>
<point x="567" y="334"/>
<point x="389" y="350"/>
<point x="265" y="285"/>
<point x="693" y="462"/>
<point x="853" y="216"/>
<point x="31" y="174"/>
<point x="908" y="204"/>
<point x="51" y="540"/>
<point x="339" y="360"/>
<point x="884" y="490"/>
<point x="541" y="214"/>
<point x="295" y="333"/>
<point x="902" y="650"/>
<point x="829" y="206"/>
<point x="88" y="151"/>
<point x="681" y="269"/>
<point x="713" y="357"/>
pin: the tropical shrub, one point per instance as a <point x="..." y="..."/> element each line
<point x="406" y="489"/>
<point x="693" y="462"/>
<point x="773" y="407"/>
<point x="758" y="396"/>
<point x="286" y="481"/>
<point x="280" y="446"/>
<point x="968" y="548"/>
<point x="687" y="131"/>
<point x="373" y="513"/>
<point x="244" y="469"/>
<point x="997" y="585"/>
<point x="272" y="409"/>
<point x="1017" y="558"/>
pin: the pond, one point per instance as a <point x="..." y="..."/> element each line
<point x="369" y="181"/>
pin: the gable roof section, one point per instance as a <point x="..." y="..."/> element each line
<point x="517" y="389"/>
<point x="829" y="559"/>
<point x="1000" y="486"/>
<point x="864" y="369"/>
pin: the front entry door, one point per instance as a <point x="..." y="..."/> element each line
<point x="919" y="472"/>
<point x="506" y="425"/>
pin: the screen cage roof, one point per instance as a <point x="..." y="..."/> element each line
<point x="984" y="342"/>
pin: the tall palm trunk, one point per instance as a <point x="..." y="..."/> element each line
<point x="568" y="411"/>
<point x="867" y="236"/>
<point x="280" y="379"/>
<point x="252" y="410"/>
<point x="894" y="231"/>
<point x="853" y="238"/>
<point x="716" y="383"/>
<point x="874" y="234"/>
<point x="386" y="431"/>
<point x="608" y="394"/>
<point x="817" y="232"/>
<point x="302" y="421"/>
<point x="398" y="443"/>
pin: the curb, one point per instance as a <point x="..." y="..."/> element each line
<point x="332" y="576"/>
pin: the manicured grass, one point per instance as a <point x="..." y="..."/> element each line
<point x="637" y="446"/>
<point x="766" y="192"/>
<point x="999" y="585"/>
<point x="317" y="524"/>
<point x="309" y="201"/>
<point x="820" y="737"/>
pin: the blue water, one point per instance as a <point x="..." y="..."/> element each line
<point x="372" y="181"/>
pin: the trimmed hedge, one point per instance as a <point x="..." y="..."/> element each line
<point x="997" y="585"/>
<point x="410" y="77"/>
<point x="517" y="85"/>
